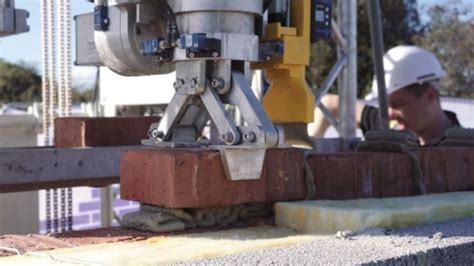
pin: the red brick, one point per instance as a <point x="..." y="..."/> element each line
<point x="448" y="169"/>
<point x="395" y="175"/>
<point x="103" y="131"/>
<point x="196" y="179"/>
<point x="361" y="175"/>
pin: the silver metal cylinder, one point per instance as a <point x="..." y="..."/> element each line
<point x="212" y="16"/>
<point x="244" y="6"/>
<point x="212" y="22"/>
<point x="119" y="46"/>
<point x="233" y="22"/>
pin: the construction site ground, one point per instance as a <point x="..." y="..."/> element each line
<point x="450" y="242"/>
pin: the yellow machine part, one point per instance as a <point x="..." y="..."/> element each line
<point x="289" y="99"/>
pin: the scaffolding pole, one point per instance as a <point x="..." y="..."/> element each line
<point x="347" y="81"/>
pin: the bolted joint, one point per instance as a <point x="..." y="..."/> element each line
<point x="250" y="137"/>
<point x="178" y="84"/>
<point x="217" y="83"/>
<point x="228" y="137"/>
<point x="156" y="134"/>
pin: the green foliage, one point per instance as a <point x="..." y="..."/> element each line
<point x="400" y="23"/>
<point x="85" y="96"/>
<point x="19" y="83"/>
<point x="450" y="35"/>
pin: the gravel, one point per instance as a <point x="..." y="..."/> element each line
<point x="449" y="242"/>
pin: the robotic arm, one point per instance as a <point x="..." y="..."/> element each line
<point x="212" y="45"/>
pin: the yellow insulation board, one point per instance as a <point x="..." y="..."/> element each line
<point x="167" y="249"/>
<point x="329" y="217"/>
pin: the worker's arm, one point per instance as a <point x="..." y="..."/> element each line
<point x="321" y="124"/>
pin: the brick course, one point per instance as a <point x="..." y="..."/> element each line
<point x="448" y="169"/>
<point x="187" y="178"/>
<point x="101" y="131"/>
<point x="190" y="178"/>
<point x="361" y="175"/>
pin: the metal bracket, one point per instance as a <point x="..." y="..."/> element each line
<point x="189" y="110"/>
<point x="242" y="162"/>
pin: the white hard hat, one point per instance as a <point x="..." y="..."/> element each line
<point x="405" y="65"/>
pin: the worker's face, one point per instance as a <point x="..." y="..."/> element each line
<point x="409" y="110"/>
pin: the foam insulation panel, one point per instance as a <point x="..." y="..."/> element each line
<point x="329" y="217"/>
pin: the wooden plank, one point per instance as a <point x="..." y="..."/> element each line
<point x="25" y="169"/>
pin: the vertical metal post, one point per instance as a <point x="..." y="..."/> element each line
<point x="347" y="82"/>
<point x="375" y="21"/>
<point x="106" y="209"/>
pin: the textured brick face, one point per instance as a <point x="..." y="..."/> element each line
<point x="186" y="178"/>
<point x="104" y="131"/>
<point x="361" y="175"/>
<point x="182" y="179"/>
<point x="448" y="168"/>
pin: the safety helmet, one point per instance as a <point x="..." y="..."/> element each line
<point x="406" y="65"/>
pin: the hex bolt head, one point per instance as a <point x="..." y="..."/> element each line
<point x="250" y="136"/>
<point x="178" y="84"/>
<point x="217" y="83"/>
<point x="156" y="134"/>
<point x="215" y="54"/>
<point x="192" y="55"/>
<point x="228" y="137"/>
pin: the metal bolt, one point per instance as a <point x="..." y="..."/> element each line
<point x="217" y="83"/>
<point x="153" y="133"/>
<point x="250" y="136"/>
<point x="157" y="134"/>
<point x="228" y="137"/>
<point x="191" y="55"/>
<point x="178" y="84"/>
<point x="215" y="54"/>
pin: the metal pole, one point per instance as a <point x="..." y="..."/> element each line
<point x="336" y="69"/>
<point x="106" y="203"/>
<point x="347" y="83"/>
<point x="337" y="36"/>
<point x="378" y="51"/>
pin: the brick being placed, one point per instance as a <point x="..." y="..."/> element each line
<point x="72" y="132"/>
<point x="176" y="178"/>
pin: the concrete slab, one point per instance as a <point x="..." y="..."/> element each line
<point x="329" y="217"/>
<point x="167" y="249"/>
<point x="444" y="243"/>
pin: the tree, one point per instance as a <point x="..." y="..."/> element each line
<point x="400" y="20"/>
<point x="19" y="83"/>
<point x="450" y="35"/>
<point x="84" y="96"/>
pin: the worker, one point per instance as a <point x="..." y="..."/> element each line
<point x="411" y="77"/>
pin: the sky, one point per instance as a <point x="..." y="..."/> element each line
<point x="26" y="47"/>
